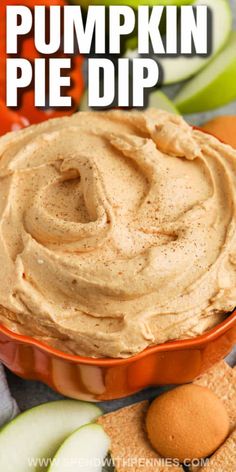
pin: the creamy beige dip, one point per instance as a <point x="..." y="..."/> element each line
<point x="117" y="231"/>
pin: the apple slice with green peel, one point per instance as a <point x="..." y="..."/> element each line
<point x="214" y="86"/>
<point x="32" y="438"/>
<point x="84" y="451"/>
<point x="83" y="106"/>
<point x="158" y="99"/>
<point x="132" y="3"/>
<point x="176" y="69"/>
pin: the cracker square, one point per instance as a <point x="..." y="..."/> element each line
<point x="221" y="379"/>
<point x="224" y="459"/>
<point x="129" y="443"/>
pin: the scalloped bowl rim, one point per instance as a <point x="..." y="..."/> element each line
<point x="180" y="344"/>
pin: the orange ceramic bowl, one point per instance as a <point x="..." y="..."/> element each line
<point x="85" y="378"/>
<point x="90" y="379"/>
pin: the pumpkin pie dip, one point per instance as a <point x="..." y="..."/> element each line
<point x="117" y="231"/>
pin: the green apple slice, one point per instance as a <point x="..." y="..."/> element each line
<point x="176" y="69"/>
<point x="84" y="451"/>
<point x="83" y="106"/>
<point x="37" y="434"/>
<point x="132" y="3"/>
<point x="159" y="100"/>
<point x="214" y="86"/>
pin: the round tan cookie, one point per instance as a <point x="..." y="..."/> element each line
<point x="187" y="422"/>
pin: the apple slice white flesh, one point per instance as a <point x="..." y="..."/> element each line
<point x="159" y="100"/>
<point x="214" y="86"/>
<point x="38" y="433"/>
<point x="176" y="69"/>
<point x="84" y="451"/>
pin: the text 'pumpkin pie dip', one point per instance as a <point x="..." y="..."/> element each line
<point x="117" y="231"/>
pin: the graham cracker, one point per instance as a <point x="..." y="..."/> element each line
<point x="221" y="379"/>
<point x="224" y="459"/>
<point x="130" y="448"/>
<point x="126" y="429"/>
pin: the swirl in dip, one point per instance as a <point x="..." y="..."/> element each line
<point x="117" y="231"/>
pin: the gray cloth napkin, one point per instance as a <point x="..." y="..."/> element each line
<point x="8" y="406"/>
